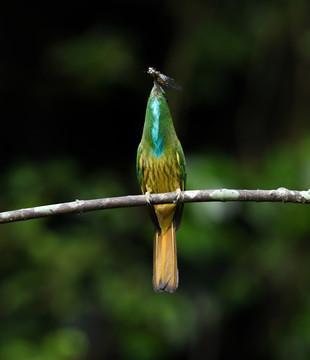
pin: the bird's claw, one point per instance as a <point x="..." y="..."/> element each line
<point x="148" y="197"/>
<point x="178" y="196"/>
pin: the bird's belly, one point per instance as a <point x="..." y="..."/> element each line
<point x="162" y="176"/>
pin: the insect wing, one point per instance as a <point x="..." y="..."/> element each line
<point x="169" y="82"/>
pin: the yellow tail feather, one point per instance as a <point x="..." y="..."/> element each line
<point x="165" y="270"/>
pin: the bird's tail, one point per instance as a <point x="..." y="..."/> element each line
<point x="165" y="270"/>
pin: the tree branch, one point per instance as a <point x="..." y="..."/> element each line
<point x="81" y="206"/>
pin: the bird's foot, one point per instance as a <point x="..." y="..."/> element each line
<point x="178" y="196"/>
<point x="148" y="197"/>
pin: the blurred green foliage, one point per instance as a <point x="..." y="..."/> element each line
<point x="85" y="59"/>
<point x="65" y="278"/>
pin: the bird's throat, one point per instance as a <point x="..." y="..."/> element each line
<point x="158" y="141"/>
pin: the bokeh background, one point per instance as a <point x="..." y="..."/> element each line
<point x="73" y="97"/>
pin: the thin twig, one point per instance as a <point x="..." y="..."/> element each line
<point x="81" y="206"/>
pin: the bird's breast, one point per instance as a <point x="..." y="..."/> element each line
<point x="161" y="174"/>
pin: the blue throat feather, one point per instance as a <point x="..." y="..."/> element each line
<point x="156" y="135"/>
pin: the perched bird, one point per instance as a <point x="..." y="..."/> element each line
<point x="161" y="168"/>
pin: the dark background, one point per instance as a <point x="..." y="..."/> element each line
<point x="73" y="98"/>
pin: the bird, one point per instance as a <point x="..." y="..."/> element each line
<point x="161" y="167"/>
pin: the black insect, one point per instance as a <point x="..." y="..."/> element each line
<point x="163" y="80"/>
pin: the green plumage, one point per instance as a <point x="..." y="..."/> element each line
<point x="161" y="168"/>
